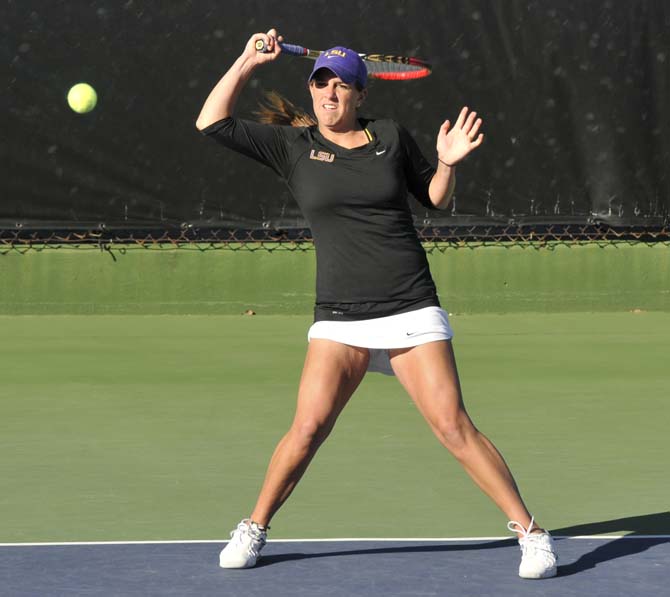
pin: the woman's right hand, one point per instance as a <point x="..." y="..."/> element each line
<point x="221" y="100"/>
<point x="273" y="49"/>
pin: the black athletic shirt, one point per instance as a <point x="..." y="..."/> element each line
<point x="370" y="262"/>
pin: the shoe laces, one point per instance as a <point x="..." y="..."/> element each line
<point x="517" y="527"/>
<point x="531" y="543"/>
<point x="250" y="535"/>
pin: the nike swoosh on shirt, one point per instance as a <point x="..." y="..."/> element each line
<point x="380" y="152"/>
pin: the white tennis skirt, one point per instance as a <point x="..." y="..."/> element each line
<point x="382" y="333"/>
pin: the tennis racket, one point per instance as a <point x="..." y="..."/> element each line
<point x="380" y="66"/>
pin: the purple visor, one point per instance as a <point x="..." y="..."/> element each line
<point x="345" y="63"/>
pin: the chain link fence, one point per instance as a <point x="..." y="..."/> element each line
<point x="192" y="238"/>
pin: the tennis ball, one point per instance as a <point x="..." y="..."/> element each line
<point x="82" y="98"/>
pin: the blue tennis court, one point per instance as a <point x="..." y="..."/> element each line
<point x="630" y="565"/>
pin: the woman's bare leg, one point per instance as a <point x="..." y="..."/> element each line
<point x="331" y="374"/>
<point x="428" y="373"/>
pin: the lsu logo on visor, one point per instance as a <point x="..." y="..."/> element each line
<point x="321" y="156"/>
<point x="332" y="53"/>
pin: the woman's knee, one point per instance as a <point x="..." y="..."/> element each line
<point x="454" y="431"/>
<point x="309" y="434"/>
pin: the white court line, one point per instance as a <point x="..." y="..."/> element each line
<point x="333" y="540"/>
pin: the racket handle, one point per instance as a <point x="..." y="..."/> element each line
<point x="291" y="49"/>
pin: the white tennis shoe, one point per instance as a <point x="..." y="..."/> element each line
<point x="244" y="548"/>
<point x="538" y="558"/>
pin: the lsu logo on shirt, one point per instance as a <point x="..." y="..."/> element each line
<point x="321" y="156"/>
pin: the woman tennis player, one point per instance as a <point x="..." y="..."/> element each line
<point x="376" y="304"/>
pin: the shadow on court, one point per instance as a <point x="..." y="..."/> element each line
<point x="406" y="550"/>
<point x="647" y="525"/>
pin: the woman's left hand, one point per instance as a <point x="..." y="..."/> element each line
<point x="453" y="144"/>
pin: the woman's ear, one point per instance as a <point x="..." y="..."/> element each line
<point x="362" y="98"/>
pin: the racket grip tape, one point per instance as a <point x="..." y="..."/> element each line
<point x="291" y="49"/>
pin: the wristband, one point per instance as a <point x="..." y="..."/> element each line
<point x="445" y="163"/>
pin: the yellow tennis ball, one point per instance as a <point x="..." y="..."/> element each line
<point x="82" y="98"/>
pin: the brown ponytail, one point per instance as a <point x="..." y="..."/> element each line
<point x="274" y="108"/>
